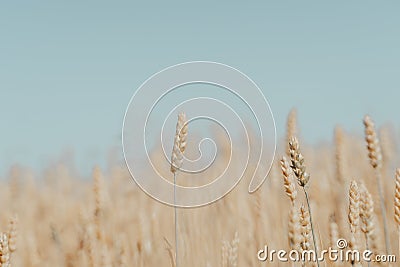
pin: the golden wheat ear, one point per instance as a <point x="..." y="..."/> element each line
<point x="366" y="210"/>
<point x="4" y="250"/>
<point x="354" y="216"/>
<point x="373" y="146"/>
<point x="288" y="180"/>
<point x="397" y="198"/>
<point x="180" y="142"/>
<point x="354" y="207"/>
<point x="297" y="162"/>
<point x="13" y="233"/>
<point x="305" y="228"/>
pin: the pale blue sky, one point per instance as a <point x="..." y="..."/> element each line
<point x="68" y="70"/>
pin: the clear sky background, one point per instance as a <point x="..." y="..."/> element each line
<point x="68" y="70"/>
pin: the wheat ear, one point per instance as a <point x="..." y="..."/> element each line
<point x="225" y="253"/>
<point x="366" y="212"/>
<point x="305" y="225"/>
<point x="354" y="214"/>
<point x="291" y="192"/>
<point x="13" y="233"/>
<point x="180" y="142"/>
<point x="4" y="250"/>
<point x="375" y="157"/>
<point x="291" y="128"/>
<point x="339" y="148"/>
<point x="333" y="232"/>
<point x="234" y="251"/>
<point x="354" y="207"/>
<point x="288" y="180"/>
<point x="98" y="190"/>
<point x="367" y="216"/>
<point x="294" y="230"/>
<point x="297" y="162"/>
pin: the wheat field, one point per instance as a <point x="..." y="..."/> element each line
<point x="57" y="219"/>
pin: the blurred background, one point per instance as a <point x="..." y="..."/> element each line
<point x="68" y="70"/>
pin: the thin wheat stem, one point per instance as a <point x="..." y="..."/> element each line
<point x="312" y="226"/>
<point x="176" y="223"/>
<point x="383" y="209"/>
<point x="367" y="245"/>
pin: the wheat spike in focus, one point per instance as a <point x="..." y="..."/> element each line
<point x="305" y="228"/>
<point x="179" y="143"/>
<point x="297" y="162"/>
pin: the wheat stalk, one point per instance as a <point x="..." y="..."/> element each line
<point x="397" y="203"/>
<point x="375" y="157"/>
<point x="299" y="169"/>
<point x="179" y="147"/>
